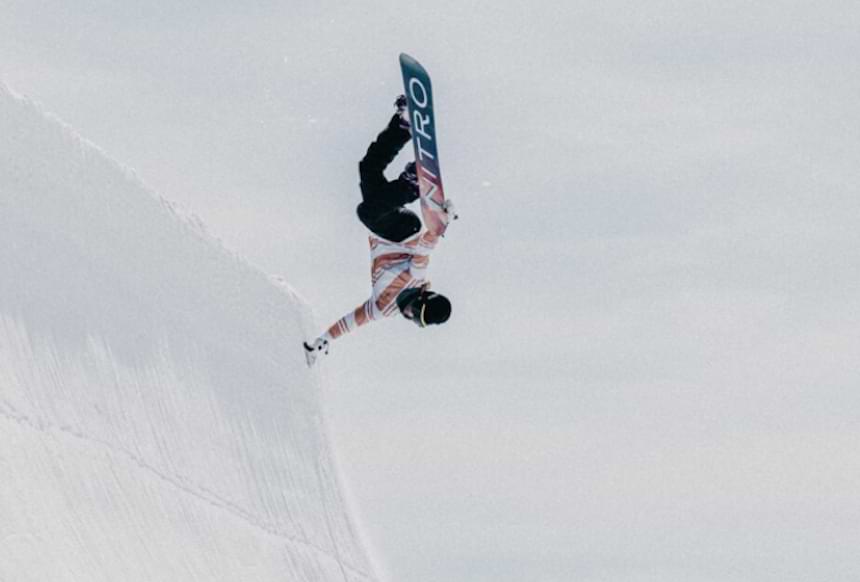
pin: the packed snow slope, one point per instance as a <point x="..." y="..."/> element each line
<point x="157" y="421"/>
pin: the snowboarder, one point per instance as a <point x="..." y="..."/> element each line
<point x="399" y="254"/>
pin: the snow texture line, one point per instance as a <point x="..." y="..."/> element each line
<point x="9" y="412"/>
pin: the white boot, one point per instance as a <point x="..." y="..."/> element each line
<point x="312" y="352"/>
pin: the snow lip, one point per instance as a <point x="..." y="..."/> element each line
<point x="154" y="386"/>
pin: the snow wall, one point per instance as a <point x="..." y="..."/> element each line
<point x="157" y="421"/>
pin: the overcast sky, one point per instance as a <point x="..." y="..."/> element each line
<point x="651" y="372"/>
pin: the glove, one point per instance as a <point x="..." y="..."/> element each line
<point x="313" y="351"/>
<point x="448" y="207"/>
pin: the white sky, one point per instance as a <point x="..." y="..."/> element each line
<point x="652" y="368"/>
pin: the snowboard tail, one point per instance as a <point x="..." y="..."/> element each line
<point x="419" y="97"/>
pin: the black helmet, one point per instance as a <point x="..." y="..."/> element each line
<point x="424" y="307"/>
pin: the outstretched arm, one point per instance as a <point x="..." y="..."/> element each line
<point x="436" y="219"/>
<point x="435" y="216"/>
<point x="351" y="321"/>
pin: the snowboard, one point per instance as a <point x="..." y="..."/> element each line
<point x="419" y="95"/>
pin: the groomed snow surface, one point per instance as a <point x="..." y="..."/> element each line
<point x="157" y="422"/>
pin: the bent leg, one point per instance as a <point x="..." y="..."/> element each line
<point x="381" y="209"/>
<point x="379" y="154"/>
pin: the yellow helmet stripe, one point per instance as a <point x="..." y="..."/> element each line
<point x="423" y="308"/>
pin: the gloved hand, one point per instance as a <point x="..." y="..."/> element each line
<point x="313" y="351"/>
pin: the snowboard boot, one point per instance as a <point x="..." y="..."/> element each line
<point x="401" y="118"/>
<point x="410" y="174"/>
<point x="400" y="103"/>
